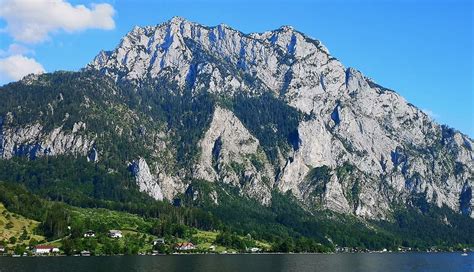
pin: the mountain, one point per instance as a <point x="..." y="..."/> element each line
<point x="191" y="114"/>
<point x="392" y="148"/>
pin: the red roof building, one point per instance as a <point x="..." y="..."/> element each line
<point x="185" y="246"/>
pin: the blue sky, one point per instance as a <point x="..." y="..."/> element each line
<point x="422" y="49"/>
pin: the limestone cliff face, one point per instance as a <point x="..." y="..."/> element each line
<point x="146" y="181"/>
<point x="32" y="141"/>
<point x="230" y="154"/>
<point x="362" y="148"/>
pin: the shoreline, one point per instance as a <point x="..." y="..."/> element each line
<point x="235" y="254"/>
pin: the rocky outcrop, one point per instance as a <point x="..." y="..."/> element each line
<point x="230" y="154"/>
<point x="34" y="141"/>
<point x="170" y="185"/>
<point x="93" y="155"/>
<point x="147" y="182"/>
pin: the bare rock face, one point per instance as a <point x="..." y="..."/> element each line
<point x="93" y="155"/>
<point x="230" y="154"/>
<point x="334" y="197"/>
<point x="147" y="182"/>
<point x="170" y="185"/>
<point x="34" y="141"/>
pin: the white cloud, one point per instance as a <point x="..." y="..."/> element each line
<point x="430" y="113"/>
<point x="31" y="21"/>
<point x="16" y="49"/>
<point x="17" y="66"/>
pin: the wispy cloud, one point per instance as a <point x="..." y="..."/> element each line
<point x="31" y="21"/>
<point x="16" y="49"/>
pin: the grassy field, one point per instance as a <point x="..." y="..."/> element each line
<point x="205" y="239"/>
<point x="133" y="228"/>
<point x="13" y="225"/>
<point x="111" y="219"/>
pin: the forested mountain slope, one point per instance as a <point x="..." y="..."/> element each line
<point x="213" y="118"/>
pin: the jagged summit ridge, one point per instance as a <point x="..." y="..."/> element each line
<point x="149" y="52"/>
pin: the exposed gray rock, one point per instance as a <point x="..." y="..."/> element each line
<point x="93" y="155"/>
<point x="147" y="182"/>
<point x="33" y="141"/>
<point x="229" y="154"/>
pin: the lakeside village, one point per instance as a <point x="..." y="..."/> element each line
<point x="102" y="244"/>
<point x="110" y="243"/>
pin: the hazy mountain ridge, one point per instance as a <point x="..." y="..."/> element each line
<point x="356" y="147"/>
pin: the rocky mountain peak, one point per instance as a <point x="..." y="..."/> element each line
<point x="195" y="51"/>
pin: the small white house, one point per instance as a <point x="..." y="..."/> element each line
<point x="115" y="234"/>
<point x="159" y="241"/>
<point x="255" y="249"/>
<point x="44" y="250"/>
<point x="89" y="233"/>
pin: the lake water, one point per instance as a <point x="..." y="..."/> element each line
<point x="263" y="262"/>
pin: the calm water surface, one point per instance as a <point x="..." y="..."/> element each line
<point x="272" y="262"/>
